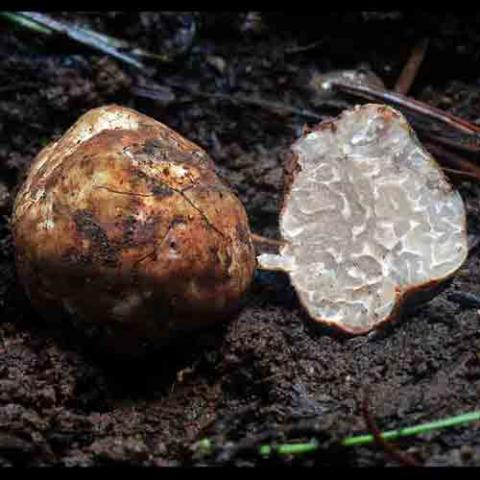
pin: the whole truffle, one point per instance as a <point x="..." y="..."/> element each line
<point x="369" y="220"/>
<point x="124" y="225"/>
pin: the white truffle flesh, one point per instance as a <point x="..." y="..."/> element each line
<point x="368" y="221"/>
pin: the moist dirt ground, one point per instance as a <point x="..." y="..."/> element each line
<point x="265" y="375"/>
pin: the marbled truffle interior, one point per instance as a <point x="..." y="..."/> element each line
<point x="369" y="217"/>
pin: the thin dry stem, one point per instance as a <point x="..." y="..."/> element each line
<point x="410" y="70"/>
<point x="260" y="240"/>
<point x="392" y="451"/>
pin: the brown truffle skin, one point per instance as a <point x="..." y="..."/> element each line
<point x="125" y="225"/>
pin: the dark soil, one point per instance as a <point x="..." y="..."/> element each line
<point x="264" y="375"/>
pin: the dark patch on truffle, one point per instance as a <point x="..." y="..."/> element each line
<point x="162" y="190"/>
<point x="127" y="228"/>
<point x="101" y="250"/>
<point x="151" y="147"/>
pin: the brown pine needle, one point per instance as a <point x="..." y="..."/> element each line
<point x="392" y="451"/>
<point x="455" y="161"/>
<point x="410" y="70"/>
<point x="454" y="171"/>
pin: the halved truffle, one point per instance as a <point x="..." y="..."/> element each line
<point x="369" y="220"/>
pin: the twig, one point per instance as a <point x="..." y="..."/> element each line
<point x="389" y="449"/>
<point x="410" y="70"/>
<point x="457" y="133"/>
<point x="461" y="173"/>
<point x="460" y="164"/>
<point x="469" y="147"/>
<point x="468" y="132"/>
<point x="259" y="239"/>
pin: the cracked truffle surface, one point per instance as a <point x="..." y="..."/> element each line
<point x="124" y="224"/>
<point x="369" y="220"/>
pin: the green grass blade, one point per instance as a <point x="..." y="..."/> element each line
<point x="289" y="449"/>
<point x="303" y="448"/>
<point x="415" y="430"/>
